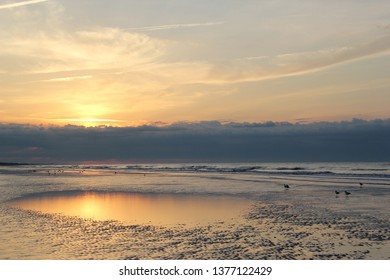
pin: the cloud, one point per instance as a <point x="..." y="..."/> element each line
<point x="128" y="51"/>
<point x="355" y="140"/>
<point x="102" y="48"/>
<point x="175" y="26"/>
<point x="294" y="64"/>
<point x="68" y="79"/>
<point x="21" y="4"/>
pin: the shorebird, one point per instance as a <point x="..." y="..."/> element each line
<point x="286" y="186"/>
<point x="336" y="192"/>
<point x="347" y="193"/>
<point x="361" y="184"/>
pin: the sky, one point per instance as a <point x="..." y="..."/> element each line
<point x="128" y="64"/>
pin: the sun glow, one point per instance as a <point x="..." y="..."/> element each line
<point x="89" y="115"/>
<point x="89" y="206"/>
<point x="92" y="122"/>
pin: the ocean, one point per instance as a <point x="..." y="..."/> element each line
<point x="195" y="211"/>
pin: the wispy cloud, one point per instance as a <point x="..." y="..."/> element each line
<point x="175" y="26"/>
<point x="68" y="79"/>
<point x="20" y="4"/>
<point x="295" y="64"/>
<point x="104" y="48"/>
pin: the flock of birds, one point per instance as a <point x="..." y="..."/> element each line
<point x="286" y="186"/>
<point x="346" y="192"/>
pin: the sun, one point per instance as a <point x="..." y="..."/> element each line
<point x="90" y="115"/>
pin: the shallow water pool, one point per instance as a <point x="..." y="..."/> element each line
<point x="135" y="208"/>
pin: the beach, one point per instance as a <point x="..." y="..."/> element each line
<point x="227" y="211"/>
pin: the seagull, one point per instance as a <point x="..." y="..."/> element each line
<point x="336" y="192"/>
<point x="347" y="193"/>
<point x="286" y="186"/>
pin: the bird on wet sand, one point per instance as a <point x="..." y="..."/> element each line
<point x="286" y="186"/>
<point x="336" y="192"/>
<point x="347" y="192"/>
<point x="361" y="184"/>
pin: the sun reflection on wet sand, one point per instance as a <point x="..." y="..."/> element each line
<point x="130" y="208"/>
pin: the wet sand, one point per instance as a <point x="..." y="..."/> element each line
<point x="266" y="231"/>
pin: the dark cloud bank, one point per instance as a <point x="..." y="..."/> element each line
<point x="357" y="140"/>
